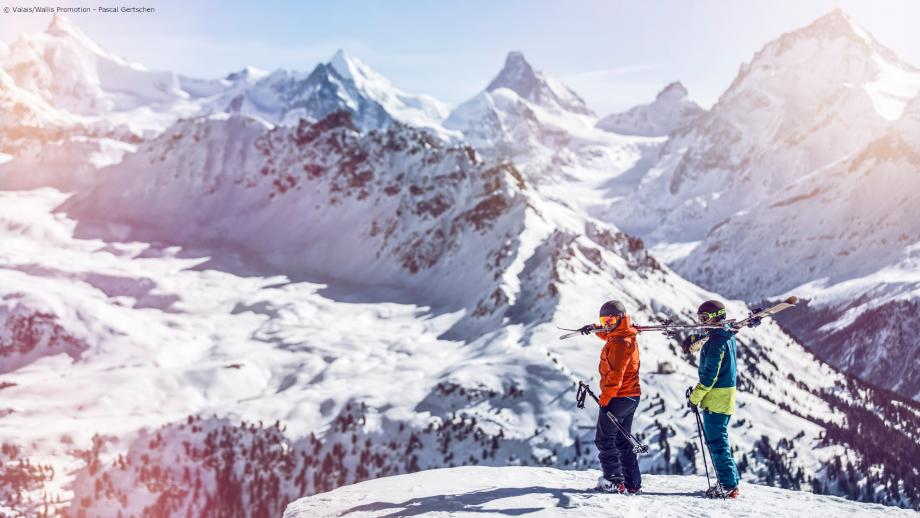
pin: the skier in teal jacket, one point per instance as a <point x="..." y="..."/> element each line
<point x="715" y="395"/>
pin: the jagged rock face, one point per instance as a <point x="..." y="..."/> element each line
<point x="321" y="199"/>
<point x="519" y="76"/>
<point x="671" y="109"/>
<point x="343" y="84"/>
<point x="322" y="92"/>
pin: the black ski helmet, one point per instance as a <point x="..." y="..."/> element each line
<point x="612" y="308"/>
<point x="714" y="309"/>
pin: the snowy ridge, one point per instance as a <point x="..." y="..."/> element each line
<point x="344" y="83"/>
<point x="670" y="110"/>
<point x="799" y="105"/>
<point x="471" y="491"/>
<point x="393" y="205"/>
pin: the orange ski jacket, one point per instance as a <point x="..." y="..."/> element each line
<point x="619" y="365"/>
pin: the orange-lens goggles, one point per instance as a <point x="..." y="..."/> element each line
<point x="609" y="321"/>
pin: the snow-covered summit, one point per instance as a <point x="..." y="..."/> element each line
<point x="343" y="83"/>
<point x="548" y="492"/>
<point x="535" y="86"/>
<point x="671" y="109"/>
<point x="838" y="24"/>
<point x="71" y="72"/>
<point x="249" y="73"/>
<point x="62" y="27"/>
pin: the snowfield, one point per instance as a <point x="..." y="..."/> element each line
<point x="548" y="492"/>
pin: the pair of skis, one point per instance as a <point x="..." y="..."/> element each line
<point x="673" y="328"/>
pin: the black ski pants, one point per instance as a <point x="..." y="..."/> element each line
<point x="615" y="452"/>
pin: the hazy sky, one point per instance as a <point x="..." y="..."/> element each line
<point x="613" y="53"/>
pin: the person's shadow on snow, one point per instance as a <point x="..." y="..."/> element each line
<point x="471" y="502"/>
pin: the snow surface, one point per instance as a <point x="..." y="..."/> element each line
<point x="548" y="492"/>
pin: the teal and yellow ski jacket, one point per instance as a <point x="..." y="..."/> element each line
<point x="716" y="389"/>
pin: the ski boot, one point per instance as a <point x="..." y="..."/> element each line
<point x="605" y="485"/>
<point x="716" y="491"/>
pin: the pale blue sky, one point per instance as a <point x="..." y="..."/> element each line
<point x="613" y="53"/>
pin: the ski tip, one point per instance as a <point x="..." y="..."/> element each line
<point x="792" y="300"/>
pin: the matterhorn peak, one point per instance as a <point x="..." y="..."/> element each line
<point x="520" y="77"/>
<point x="516" y="74"/>
<point x="675" y="91"/>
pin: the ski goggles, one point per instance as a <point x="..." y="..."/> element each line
<point x="709" y="317"/>
<point x="609" y="321"/>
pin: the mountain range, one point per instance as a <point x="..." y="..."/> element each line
<point x="188" y="261"/>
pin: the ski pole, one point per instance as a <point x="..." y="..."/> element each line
<point x="584" y="390"/>
<point x="702" y="434"/>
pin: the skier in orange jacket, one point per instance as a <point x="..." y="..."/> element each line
<point x="619" y="370"/>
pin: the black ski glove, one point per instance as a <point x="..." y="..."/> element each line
<point x="688" y="341"/>
<point x="587" y="330"/>
<point x="690" y="405"/>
